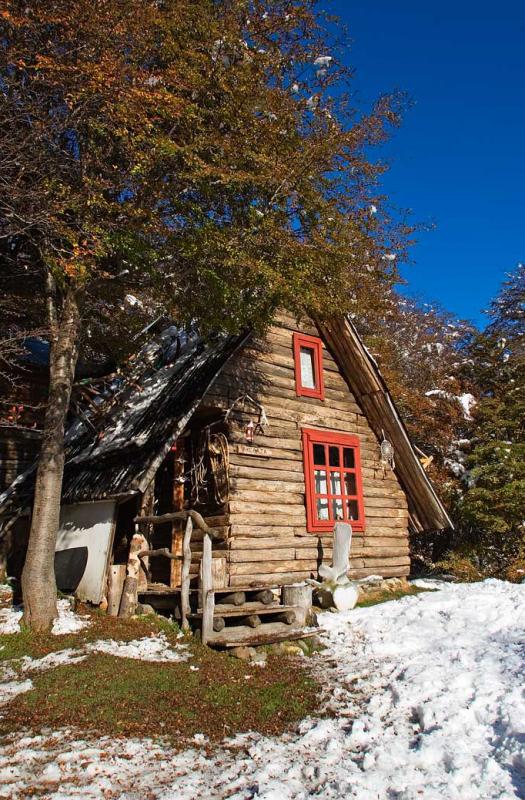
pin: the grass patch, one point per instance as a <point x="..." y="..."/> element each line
<point x="119" y="696"/>
<point x="383" y="595"/>
<point x="107" y="695"/>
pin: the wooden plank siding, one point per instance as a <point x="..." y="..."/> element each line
<point x="267" y="537"/>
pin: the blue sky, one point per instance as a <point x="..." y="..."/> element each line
<point x="459" y="159"/>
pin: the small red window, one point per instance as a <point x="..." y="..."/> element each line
<point x="308" y="358"/>
<point x="332" y="470"/>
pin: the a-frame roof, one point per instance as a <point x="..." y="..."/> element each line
<point x="371" y="392"/>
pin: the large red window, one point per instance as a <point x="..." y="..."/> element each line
<point x="308" y="359"/>
<point x="332" y="471"/>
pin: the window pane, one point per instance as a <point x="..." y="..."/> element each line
<point x="348" y="457"/>
<point x="335" y="483"/>
<point x="320" y="481"/>
<point x="322" y="508"/>
<point x="307" y="367"/>
<point x="319" y="454"/>
<point x="337" y="509"/>
<point x="350" y="484"/>
<point x="352" y="509"/>
<point x="333" y="456"/>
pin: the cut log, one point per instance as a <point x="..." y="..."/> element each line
<point x="265" y="596"/>
<point x="235" y="599"/>
<point x="253" y="621"/>
<point x="300" y="596"/>
<point x="129" y="600"/>
<point x="117" y="576"/>
<point x="288" y="617"/>
<point x="219" y="568"/>
<point x="218" y="624"/>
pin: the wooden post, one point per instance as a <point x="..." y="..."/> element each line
<point x="185" y="577"/>
<point x="128" y="603"/>
<point x="177" y="535"/>
<point x="146" y="506"/>
<point x="208" y="597"/>
<point x="117" y="576"/>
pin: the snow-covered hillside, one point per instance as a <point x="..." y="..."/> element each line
<point x="426" y="700"/>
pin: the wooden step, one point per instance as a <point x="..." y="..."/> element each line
<point x="245" y="610"/>
<point x="255" y="588"/>
<point x="268" y="633"/>
<point x="250" y="606"/>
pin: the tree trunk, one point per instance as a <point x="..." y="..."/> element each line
<point x="38" y="577"/>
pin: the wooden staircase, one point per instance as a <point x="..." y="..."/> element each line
<point x="257" y="616"/>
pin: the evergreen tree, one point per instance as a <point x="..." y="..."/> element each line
<point x="493" y="507"/>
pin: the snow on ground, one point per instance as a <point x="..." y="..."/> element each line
<point x="149" y="648"/>
<point x="66" y="622"/>
<point x="427" y="700"/>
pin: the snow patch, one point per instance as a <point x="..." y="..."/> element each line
<point x="66" y="622"/>
<point x="10" y="689"/>
<point x="149" y="648"/>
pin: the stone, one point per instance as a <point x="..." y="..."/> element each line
<point x="304" y="644"/>
<point x="242" y="652"/>
<point x="292" y="650"/>
<point x="323" y="598"/>
<point x="260" y="658"/>
<point x="145" y="608"/>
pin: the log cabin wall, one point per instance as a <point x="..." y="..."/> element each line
<point x="268" y="540"/>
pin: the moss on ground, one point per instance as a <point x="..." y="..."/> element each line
<point x="383" y="595"/>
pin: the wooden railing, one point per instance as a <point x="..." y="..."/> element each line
<point x="192" y="518"/>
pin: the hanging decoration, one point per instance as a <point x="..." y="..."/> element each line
<point x="209" y="476"/>
<point x="250" y="431"/>
<point x="252" y="428"/>
<point x="387" y="453"/>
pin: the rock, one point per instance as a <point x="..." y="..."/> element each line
<point x="242" y="652"/>
<point x="315" y="643"/>
<point x="304" y="644"/>
<point x="145" y="608"/>
<point x="260" y="658"/>
<point x="292" y="650"/>
<point x="311" y="619"/>
<point x="323" y="598"/>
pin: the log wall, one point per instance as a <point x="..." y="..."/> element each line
<point x="19" y="448"/>
<point x="267" y="537"/>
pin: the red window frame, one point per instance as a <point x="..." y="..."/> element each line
<point x="316" y="346"/>
<point x="331" y="439"/>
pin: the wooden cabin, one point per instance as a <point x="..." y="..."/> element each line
<point x="272" y="440"/>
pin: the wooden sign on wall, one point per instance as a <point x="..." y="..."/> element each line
<point x="251" y="450"/>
